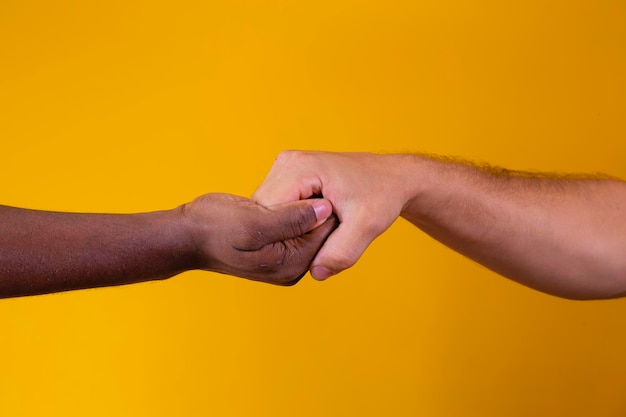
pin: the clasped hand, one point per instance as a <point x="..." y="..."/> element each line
<point x="279" y="244"/>
<point x="274" y="244"/>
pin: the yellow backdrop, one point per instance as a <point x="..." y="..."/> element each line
<point x="125" y="106"/>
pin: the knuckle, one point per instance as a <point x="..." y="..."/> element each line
<point x="289" y="155"/>
<point x="301" y="219"/>
<point x="286" y="154"/>
<point x="342" y="260"/>
<point x="369" y="220"/>
<point x="290" y="282"/>
<point x="279" y="263"/>
<point x="251" y="236"/>
<point x="292" y="222"/>
<point x="272" y="258"/>
<point x="284" y="264"/>
<point x="370" y="226"/>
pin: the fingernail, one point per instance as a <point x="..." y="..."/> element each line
<point x="322" y="209"/>
<point x="320" y="273"/>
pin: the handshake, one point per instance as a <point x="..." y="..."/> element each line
<point x="564" y="235"/>
<point x="314" y="211"/>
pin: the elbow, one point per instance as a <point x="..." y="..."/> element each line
<point x="588" y="296"/>
<point x="597" y="294"/>
<point x="578" y="284"/>
<point x="594" y="275"/>
<point x="588" y="287"/>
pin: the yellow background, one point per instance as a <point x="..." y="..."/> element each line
<point x="125" y="106"/>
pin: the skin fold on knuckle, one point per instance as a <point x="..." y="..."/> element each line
<point x="251" y="236"/>
<point x="288" y="156"/>
<point x="273" y="263"/>
<point x="302" y="220"/>
<point x="338" y="261"/>
<point x="293" y="263"/>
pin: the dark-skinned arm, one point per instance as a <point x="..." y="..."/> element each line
<point x="44" y="252"/>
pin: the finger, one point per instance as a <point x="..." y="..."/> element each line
<point x="276" y="188"/>
<point x="272" y="192"/>
<point x="290" y="220"/>
<point x="288" y="180"/>
<point x="292" y="189"/>
<point x="307" y="247"/>
<point x="342" y="249"/>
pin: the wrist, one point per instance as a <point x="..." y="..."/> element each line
<point x="424" y="177"/>
<point x="182" y="237"/>
<point x="412" y="169"/>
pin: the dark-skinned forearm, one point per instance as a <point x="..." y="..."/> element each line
<point x="43" y="252"/>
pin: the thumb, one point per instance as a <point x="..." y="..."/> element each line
<point x="342" y="249"/>
<point x="294" y="219"/>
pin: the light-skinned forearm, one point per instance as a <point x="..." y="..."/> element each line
<point x="564" y="236"/>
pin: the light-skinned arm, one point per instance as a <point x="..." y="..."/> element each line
<point x="563" y="235"/>
<point x="43" y="252"/>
